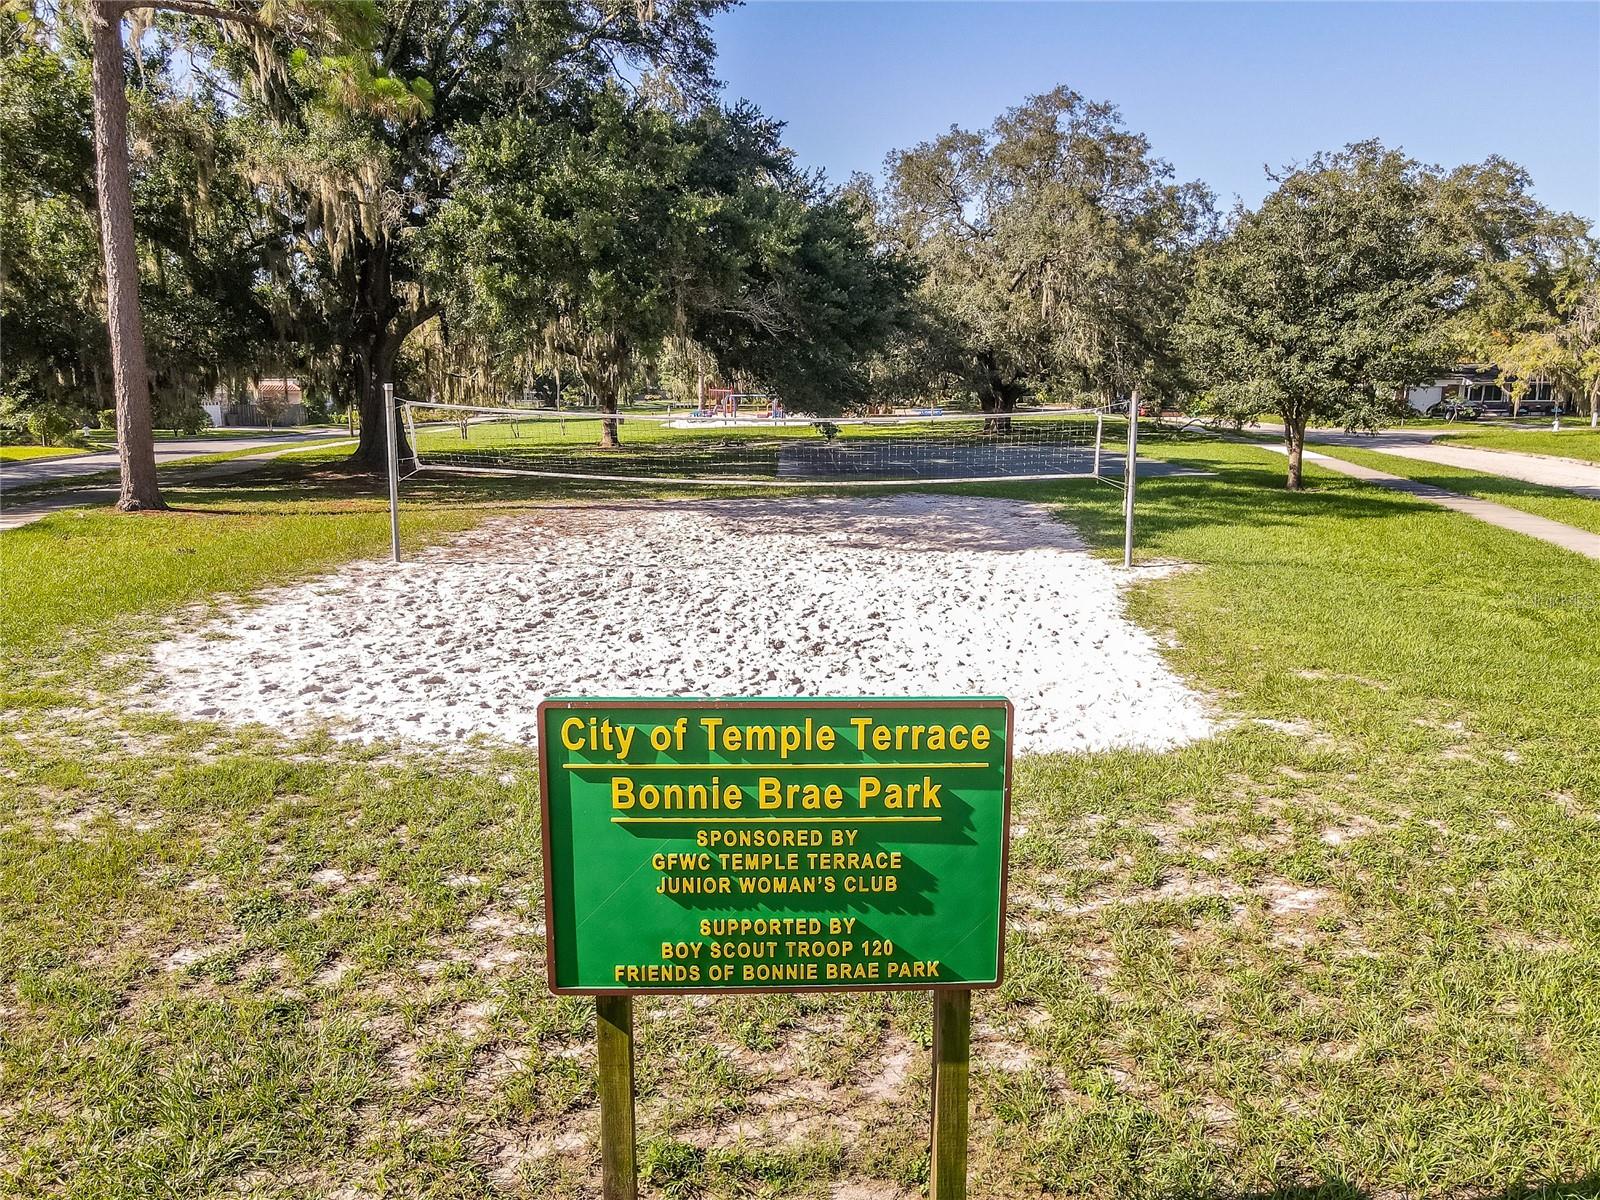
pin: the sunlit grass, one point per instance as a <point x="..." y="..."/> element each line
<point x="1574" y="440"/>
<point x="1556" y="504"/>
<point x="28" y="453"/>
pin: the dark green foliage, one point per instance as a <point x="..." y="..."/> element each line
<point x="361" y="155"/>
<point x="1329" y="299"/>
<point x="194" y="218"/>
<point x="592" y="240"/>
<point x="54" y="334"/>
<point x="1056" y="249"/>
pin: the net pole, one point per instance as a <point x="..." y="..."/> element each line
<point x="1099" y="440"/>
<point x="1130" y="476"/>
<point x="394" y="472"/>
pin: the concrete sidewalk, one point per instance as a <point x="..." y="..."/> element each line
<point x="1568" y="537"/>
<point x="1544" y="469"/>
<point x="14" y="515"/>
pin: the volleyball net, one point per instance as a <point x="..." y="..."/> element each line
<point x="765" y="447"/>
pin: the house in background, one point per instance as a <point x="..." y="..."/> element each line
<point x="267" y="402"/>
<point x="1478" y="387"/>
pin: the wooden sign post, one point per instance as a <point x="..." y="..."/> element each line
<point x="618" y="1164"/>
<point x="952" y="1050"/>
<point x="702" y="846"/>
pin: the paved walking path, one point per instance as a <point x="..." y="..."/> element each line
<point x="23" y="513"/>
<point x="1580" y="477"/>
<point x="1568" y="537"/>
<point x="168" y="450"/>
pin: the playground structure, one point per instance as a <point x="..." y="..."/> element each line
<point x="726" y="402"/>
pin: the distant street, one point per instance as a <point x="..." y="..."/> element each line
<point x="26" y="474"/>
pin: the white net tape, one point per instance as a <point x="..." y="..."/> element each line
<point x="768" y="448"/>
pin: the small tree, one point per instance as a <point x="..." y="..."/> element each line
<point x="272" y="401"/>
<point x="1327" y="301"/>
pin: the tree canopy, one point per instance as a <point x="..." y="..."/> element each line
<point x="473" y="197"/>
<point x="1329" y="299"/>
<point x="1055" y="247"/>
<point x="592" y="242"/>
<point x="195" y="221"/>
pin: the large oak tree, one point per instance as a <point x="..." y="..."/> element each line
<point x="1055" y="248"/>
<point x="591" y="242"/>
<point x="361" y="181"/>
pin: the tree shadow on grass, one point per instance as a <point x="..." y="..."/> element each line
<point x="1174" y="505"/>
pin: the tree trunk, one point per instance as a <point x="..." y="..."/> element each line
<point x="610" y="431"/>
<point x="372" y="449"/>
<point x="136" y="448"/>
<point x="1294" y="440"/>
<point x="376" y="354"/>
<point x="996" y="394"/>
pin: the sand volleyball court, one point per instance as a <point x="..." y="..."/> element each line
<point x="899" y="595"/>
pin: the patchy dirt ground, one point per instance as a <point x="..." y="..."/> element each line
<point x="904" y="595"/>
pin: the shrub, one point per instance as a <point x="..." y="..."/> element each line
<point x="53" y="425"/>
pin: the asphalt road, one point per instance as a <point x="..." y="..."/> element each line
<point x="26" y="474"/>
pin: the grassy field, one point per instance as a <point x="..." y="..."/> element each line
<point x="33" y="453"/>
<point x="1558" y="504"/>
<point x="1573" y="441"/>
<point x="1344" y="949"/>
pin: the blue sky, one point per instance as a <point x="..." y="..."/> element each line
<point x="1220" y="89"/>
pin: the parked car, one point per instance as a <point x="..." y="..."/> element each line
<point x="1455" y="410"/>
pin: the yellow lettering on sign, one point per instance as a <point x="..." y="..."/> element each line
<point x="676" y="797"/>
<point x="900" y="795"/>
<point x="871" y="735"/>
<point x="771" y="793"/>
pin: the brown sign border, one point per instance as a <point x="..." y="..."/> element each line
<point x="589" y="703"/>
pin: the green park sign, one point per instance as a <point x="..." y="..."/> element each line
<point x="774" y="845"/>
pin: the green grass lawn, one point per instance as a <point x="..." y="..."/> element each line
<point x="1573" y="441"/>
<point x="1346" y="949"/>
<point x="1558" y="504"/>
<point x="31" y="453"/>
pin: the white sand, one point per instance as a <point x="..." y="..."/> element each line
<point x="904" y="595"/>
